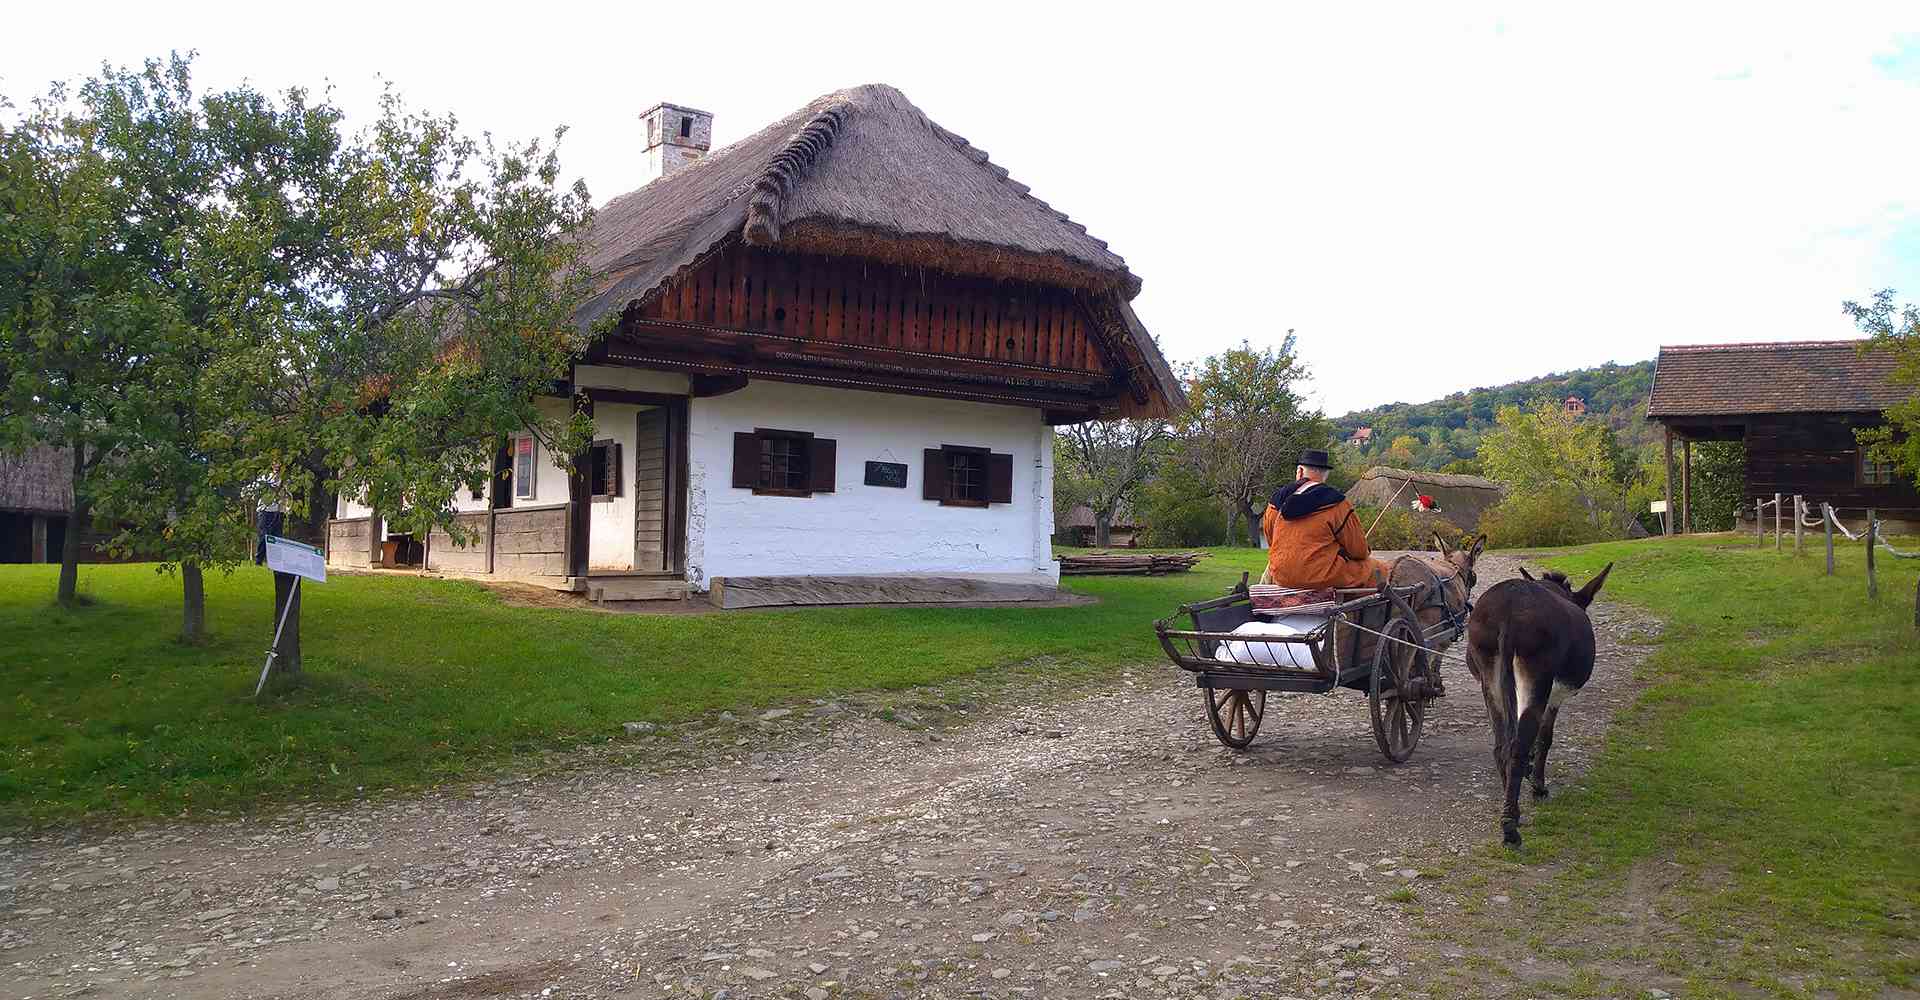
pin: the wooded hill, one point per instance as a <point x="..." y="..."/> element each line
<point x="1445" y="434"/>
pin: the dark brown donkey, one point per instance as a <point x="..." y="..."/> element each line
<point x="1530" y="644"/>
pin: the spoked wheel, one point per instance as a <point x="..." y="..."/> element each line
<point x="1235" y="715"/>
<point x="1400" y="689"/>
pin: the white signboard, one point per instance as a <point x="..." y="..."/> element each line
<point x="284" y="555"/>
<point x="1657" y="507"/>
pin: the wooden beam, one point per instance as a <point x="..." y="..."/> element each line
<point x="872" y="382"/>
<point x="1669" y="477"/>
<point x="693" y="342"/>
<point x="629" y="396"/>
<point x="708" y="386"/>
<point x="579" y="501"/>
<point x="1686" y="487"/>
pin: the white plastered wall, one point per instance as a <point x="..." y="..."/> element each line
<point x="859" y="528"/>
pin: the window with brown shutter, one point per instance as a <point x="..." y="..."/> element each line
<point x="603" y="470"/>
<point x="783" y="463"/>
<point x="963" y="476"/>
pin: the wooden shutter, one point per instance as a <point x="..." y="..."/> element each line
<point x="820" y="454"/>
<point x="999" y="478"/>
<point x="933" y="480"/>
<point x="613" y="469"/>
<point x="746" y="460"/>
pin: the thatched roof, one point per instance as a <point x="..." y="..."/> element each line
<point x="1808" y="376"/>
<point x="1462" y="499"/>
<point x="1081" y="516"/>
<point x="859" y="172"/>
<point x="40" y="479"/>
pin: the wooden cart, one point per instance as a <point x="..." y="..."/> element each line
<point x="1387" y="655"/>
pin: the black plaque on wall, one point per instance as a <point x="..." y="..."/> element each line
<point x="892" y="474"/>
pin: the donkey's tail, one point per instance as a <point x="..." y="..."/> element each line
<point x="1503" y="681"/>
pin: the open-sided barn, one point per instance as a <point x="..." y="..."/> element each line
<point x="842" y="344"/>
<point x="1796" y="406"/>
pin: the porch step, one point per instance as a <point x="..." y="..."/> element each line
<point x="882" y="588"/>
<point x="635" y="588"/>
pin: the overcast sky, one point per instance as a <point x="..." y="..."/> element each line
<point x="1435" y="197"/>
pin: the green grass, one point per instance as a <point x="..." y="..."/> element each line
<point x="103" y="715"/>
<point x="1762" y="795"/>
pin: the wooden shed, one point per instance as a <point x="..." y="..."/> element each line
<point x="1796" y="406"/>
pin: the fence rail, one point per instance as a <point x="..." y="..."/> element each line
<point x="1872" y="535"/>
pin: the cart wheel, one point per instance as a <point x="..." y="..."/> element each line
<point x="1235" y="714"/>
<point x="1398" y="693"/>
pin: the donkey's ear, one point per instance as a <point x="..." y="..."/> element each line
<point x="1479" y="542"/>
<point x="1440" y="544"/>
<point x="1523" y="572"/>
<point x="1587" y="593"/>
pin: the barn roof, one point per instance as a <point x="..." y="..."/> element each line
<point x="1807" y="376"/>
<point x="38" y="479"/>
<point x="859" y="172"/>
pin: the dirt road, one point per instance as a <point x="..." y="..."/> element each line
<point x="1098" y="846"/>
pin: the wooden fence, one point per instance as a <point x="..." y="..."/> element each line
<point x="1872" y="535"/>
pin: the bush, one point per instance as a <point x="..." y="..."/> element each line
<point x="1540" y="518"/>
<point x="1403" y="529"/>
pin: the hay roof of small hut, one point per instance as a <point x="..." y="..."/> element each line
<point x="1081" y="516"/>
<point x="1462" y="499"/>
<point x="38" y="479"/>
<point x="858" y="172"/>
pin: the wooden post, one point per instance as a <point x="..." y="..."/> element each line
<point x="580" y="500"/>
<point x="1760" y="523"/>
<point x="374" y="538"/>
<point x="1873" y="533"/>
<point x="1686" y="486"/>
<point x="1779" y="525"/>
<point x="285" y="590"/>
<point x="1799" y="517"/>
<point x="1826" y="518"/>
<point x="1669" y="478"/>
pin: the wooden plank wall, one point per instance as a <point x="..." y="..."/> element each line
<point x="530" y="542"/>
<point x="1815" y="455"/>
<point x="650" y="492"/>
<point x="447" y="556"/>
<point x="853" y="302"/>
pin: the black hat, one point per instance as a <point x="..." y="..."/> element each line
<point x="1314" y="458"/>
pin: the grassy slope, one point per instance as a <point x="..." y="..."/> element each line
<point x="1762" y="797"/>
<point x="412" y="681"/>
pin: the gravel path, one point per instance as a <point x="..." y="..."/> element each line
<point x="1097" y="846"/>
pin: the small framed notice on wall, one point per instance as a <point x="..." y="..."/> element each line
<point x="893" y="474"/>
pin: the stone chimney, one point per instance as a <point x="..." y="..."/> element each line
<point x="676" y="136"/>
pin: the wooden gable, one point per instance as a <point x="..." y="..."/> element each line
<point x="768" y="314"/>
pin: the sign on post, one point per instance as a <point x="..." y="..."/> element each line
<point x="284" y="555"/>
<point x="302" y="562"/>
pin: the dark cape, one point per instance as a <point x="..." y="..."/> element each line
<point x="1293" y="502"/>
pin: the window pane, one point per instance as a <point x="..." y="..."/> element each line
<point x="523" y="467"/>
<point x="783" y="463"/>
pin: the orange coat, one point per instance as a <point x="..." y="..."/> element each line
<point x="1311" y="546"/>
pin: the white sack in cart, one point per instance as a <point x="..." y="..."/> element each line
<point x="1252" y="651"/>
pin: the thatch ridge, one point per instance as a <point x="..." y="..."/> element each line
<point x="39" y="479"/>
<point x="1462" y="499"/>
<point x="859" y="172"/>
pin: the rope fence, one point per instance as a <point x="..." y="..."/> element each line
<point x="1872" y="535"/>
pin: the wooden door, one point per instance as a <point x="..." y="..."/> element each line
<point x="654" y="527"/>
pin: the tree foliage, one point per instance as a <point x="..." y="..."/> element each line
<point x="1102" y="463"/>
<point x="1246" y="424"/>
<point x="306" y="309"/>
<point x="1554" y="462"/>
<point x="1895" y="329"/>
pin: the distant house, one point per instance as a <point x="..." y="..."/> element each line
<point x="1462" y="499"/>
<point x="36" y="504"/>
<point x="1361" y="436"/>
<point x="1575" y="405"/>
<point x="1796" y="406"/>
<point x="1077" y="528"/>
<point x="839" y="350"/>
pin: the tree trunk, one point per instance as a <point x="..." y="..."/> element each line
<point x="77" y="521"/>
<point x="1102" y="529"/>
<point x="1254" y="537"/>
<point x="193" y="623"/>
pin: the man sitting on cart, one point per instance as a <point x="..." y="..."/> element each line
<point x="1314" y="539"/>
